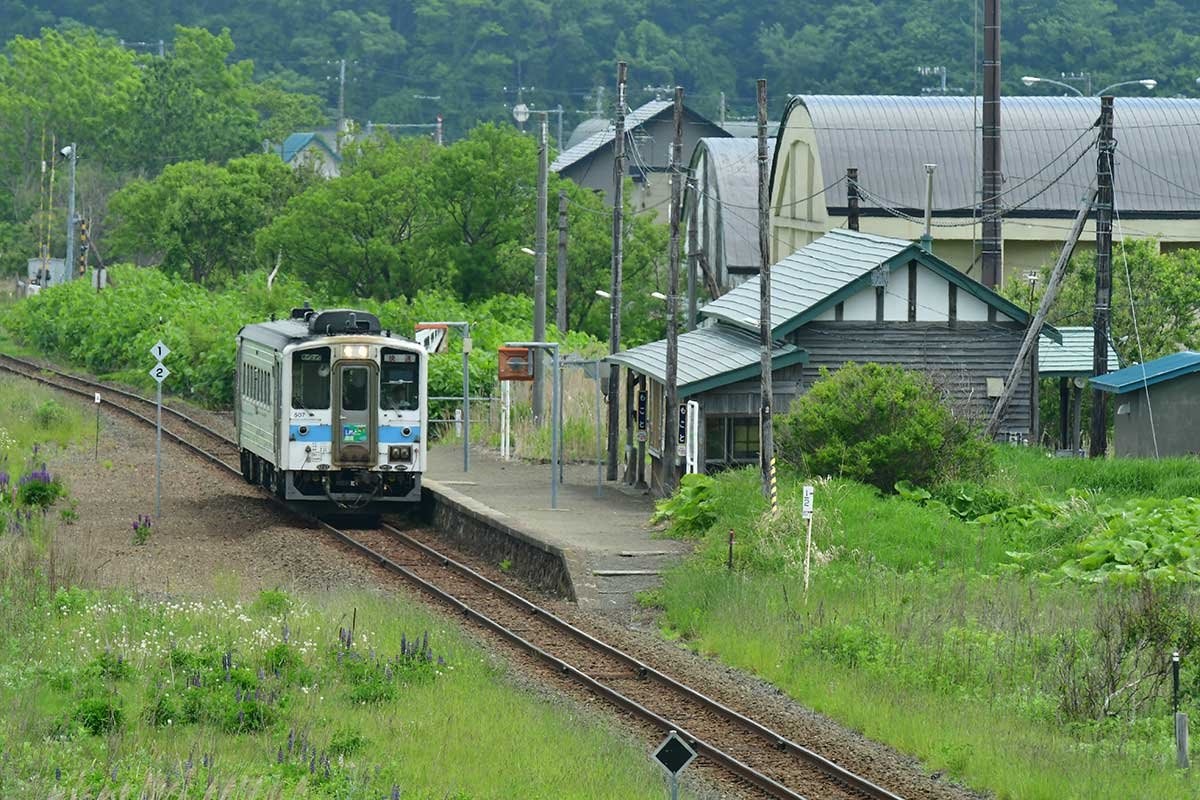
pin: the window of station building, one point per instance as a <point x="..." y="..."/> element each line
<point x="311" y="379"/>
<point x="355" y="381"/>
<point x="731" y="440"/>
<point x="398" y="381"/>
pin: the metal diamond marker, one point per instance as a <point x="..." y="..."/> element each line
<point x="674" y="754"/>
<point x="160" y="350"/>
<point x="159" y="372"/>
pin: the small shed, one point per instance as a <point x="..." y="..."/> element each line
<point x="1157" y="406"/>
<point x="1070" y="362"/>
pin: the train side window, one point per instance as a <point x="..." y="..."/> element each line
<point x="311" y="379"/>
<point x="398" y="390"/>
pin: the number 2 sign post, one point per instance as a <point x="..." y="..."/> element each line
<point x="159" y="372"/>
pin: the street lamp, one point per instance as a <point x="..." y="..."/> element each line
<point x="529" y="252"/>
<point x="658" y="296"/>
<point x="1149" y="83"/>
<point x="604" y="294"/>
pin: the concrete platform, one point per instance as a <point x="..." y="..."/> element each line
<point x="603" y="540"/>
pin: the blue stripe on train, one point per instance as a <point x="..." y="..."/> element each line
<point x="388" y="434"/>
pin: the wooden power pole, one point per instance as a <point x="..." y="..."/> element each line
<point x="993" y="235"/>
<point x="766" y="435"/>
<point x="671" y="410"/>
<point x="852" y="198"/>
<point x="1103" y="309"/>
<point x="614" y="335"/>
<point x="560" y="306"/>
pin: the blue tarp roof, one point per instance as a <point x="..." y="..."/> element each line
<point x="1158" y="370"/>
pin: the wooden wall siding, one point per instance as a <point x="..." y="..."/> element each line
<point x="934" y="298"/>
<point x="959" y="358"/>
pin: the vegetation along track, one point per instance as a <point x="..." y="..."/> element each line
<point x="187" y="431"/>
<point x="752" y="754"/>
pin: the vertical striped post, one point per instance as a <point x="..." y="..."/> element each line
<point x="774" y="489"/>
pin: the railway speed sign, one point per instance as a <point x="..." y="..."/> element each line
<point x="160" y="351"/>
<point x="159" y="372"/>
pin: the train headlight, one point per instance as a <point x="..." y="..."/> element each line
<point x="400" y="452"/>
<point x="359" y="351"/>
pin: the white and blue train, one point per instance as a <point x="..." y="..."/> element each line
<point x="331" y="410"/>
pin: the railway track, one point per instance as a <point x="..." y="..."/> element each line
<point x="753" y="755"/>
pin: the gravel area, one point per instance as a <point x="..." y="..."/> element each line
<point x="215" y="533"/>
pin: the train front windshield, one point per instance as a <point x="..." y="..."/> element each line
<point x="398" y="381"/>
<point x="311" y="379"/>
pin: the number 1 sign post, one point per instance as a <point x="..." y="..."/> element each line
<point x="159" y="372"/>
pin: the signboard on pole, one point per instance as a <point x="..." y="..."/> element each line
<point x="806" y="510"/>
<point x="431" y="337"/>
<point x="681" y="433"/>
<point x="674" y="755"/>
<point x="515" y="364"/>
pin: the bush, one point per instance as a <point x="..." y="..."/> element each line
<point x="879" y="424"/>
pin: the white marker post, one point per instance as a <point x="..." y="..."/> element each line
<point x="96" y="456"/>
<point x="806" y="511"/>
<point x="159" y="372"/>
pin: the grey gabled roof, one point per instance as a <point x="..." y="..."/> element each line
<point x="732" y="178"/>
<point x="888" y="139"/>
<point x="831" y="269"/>
<point x="635" y="118"/>
<point x="1073" y="356"/>
<point x="708" y="358"/>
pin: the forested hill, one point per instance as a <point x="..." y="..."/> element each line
<point x="471" y="55"/>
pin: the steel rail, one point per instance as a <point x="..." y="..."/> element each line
<point x="197" y="449"/>
<point x="122" y="392"/>
<point x="713" y="753"/>
<point x="833" y="770"/>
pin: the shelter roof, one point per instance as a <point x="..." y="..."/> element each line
<point x="1046" y="141"/>
<point x="1158" y="370"/>
<point x="830" y="270"/>
<point x="1073" y="356"/>
<point x="709" y="357"/>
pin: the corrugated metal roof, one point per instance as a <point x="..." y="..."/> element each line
<point x="732" y="175"/>
<point x="826" y="271"/>
<point x="1073" y="356"/>
<point x="588" y="127"/>
<point x="708" y="357"/>
<point x="634" y="119"/>
<point x="1156" y="371"/>
<point x="806" y="277"/>
<point x="888" y="139"/>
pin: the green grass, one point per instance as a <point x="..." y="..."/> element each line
<point x="919" y="630"/>
<point x="452" y="726"/>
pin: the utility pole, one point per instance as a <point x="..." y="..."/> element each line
<point x="341" y="121"/>
<point x="1103" y="310"/>
<point x="539" y="270"/>
<point x="766" y="435"/>
<point x="437" y="136"/>
<point x="560" y="305"/>
<point x="992" y="227"/>
<point x="671" y="406"/>
<point x="852" y="198"/>
<point x="618" y="255"/>
<point x="69" y="152"/>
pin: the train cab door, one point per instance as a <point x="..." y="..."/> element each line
<point x="354" y="431"/>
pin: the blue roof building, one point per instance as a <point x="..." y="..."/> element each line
<point x="309" y="149"/>
<point x="1158" y="406"/>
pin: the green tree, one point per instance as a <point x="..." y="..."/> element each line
<point x="193" y="105"/>
<point x="199" y="219"/>
<point x="357" y="233"/>
<point x="1165" y="297"/>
